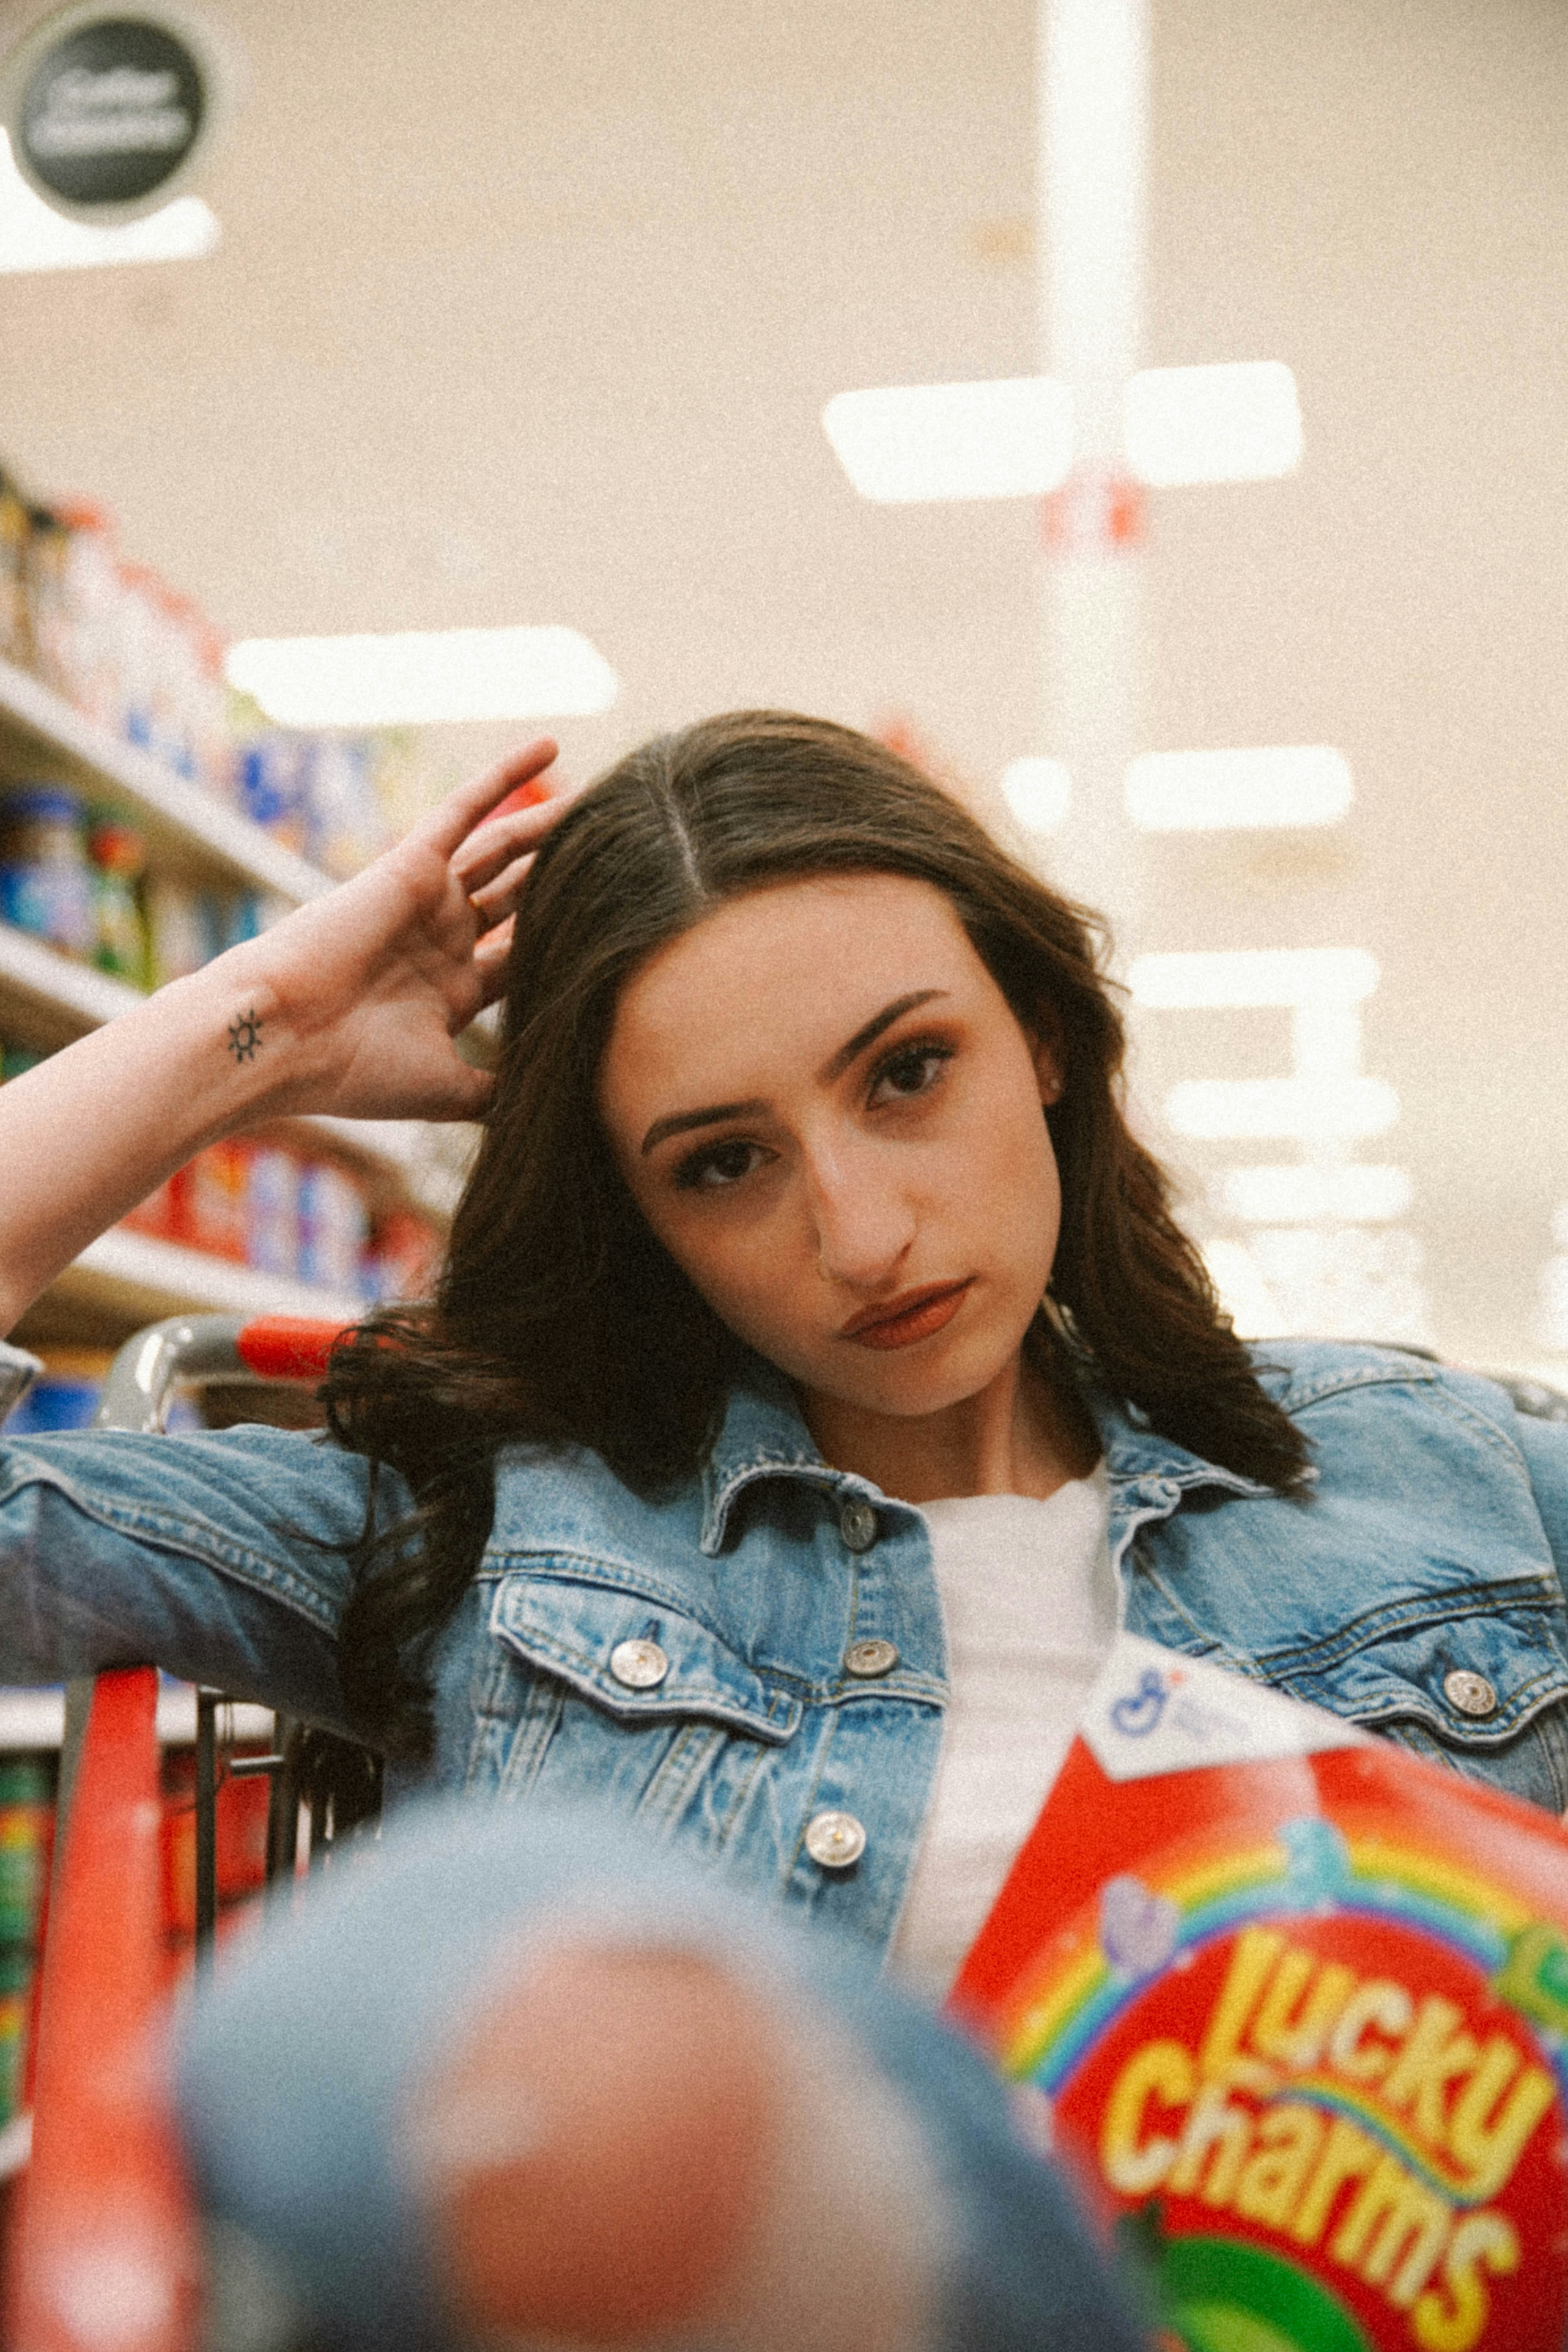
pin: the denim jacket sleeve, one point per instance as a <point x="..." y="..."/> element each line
<point x="218" y="1556"/>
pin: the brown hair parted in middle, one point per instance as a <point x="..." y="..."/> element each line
<point x="559" y="1318"/>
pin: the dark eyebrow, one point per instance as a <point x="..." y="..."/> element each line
<point x="873" y="1030"/>
<point x="682" y="1122"/>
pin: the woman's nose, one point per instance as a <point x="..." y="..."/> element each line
<point x="864" y="1223"/>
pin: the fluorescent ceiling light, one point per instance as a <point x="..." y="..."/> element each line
<point x="1314" y="1110"/>
<point x="1199" y="791"/>
<point x="1244" y="1295"/>
<point x="1232" y="423"/>
<point x="33" y="236"/>
<point x="1038" y="793"/>
<point x="1300" y="1196"/>
<point x="905" y="443"/>
<point x="423" y="678"/>
<point x="1230" y="978"/>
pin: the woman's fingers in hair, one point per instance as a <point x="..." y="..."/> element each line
<point x="490" y="960"/>
<point x="498" y="899"/>
<point x="450" y="826"/>
<point x="491" y="849"/>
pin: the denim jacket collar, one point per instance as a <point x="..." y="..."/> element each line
<point x="764" y="1436"/>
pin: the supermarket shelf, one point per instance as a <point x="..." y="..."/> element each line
<point x="197" y="829"/>
<point x="36" y="1718"/>
<point x="138" y="1279"/>
<point x="54" y="994"/>
<point x="65" y="994"/>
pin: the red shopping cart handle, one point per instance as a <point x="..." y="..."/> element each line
<point x="288" y="1347"/>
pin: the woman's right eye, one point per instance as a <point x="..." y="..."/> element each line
<point x="716" y="1166"/>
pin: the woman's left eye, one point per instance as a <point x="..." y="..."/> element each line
<point x="912" y="1070"/>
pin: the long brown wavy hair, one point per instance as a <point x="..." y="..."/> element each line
<point x="559" y="1319"/>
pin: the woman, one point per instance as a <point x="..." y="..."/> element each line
<point x="809" y="1289"/>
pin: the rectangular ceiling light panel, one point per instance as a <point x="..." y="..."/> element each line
<point x="423" y="678"/>
<point x="1038" y="793"/>
<point x="1229" y="978"/>
<point x="907" y="443"/>
<point x="1312" y="1110"/>
<point x="1299" y="1196"/>
<point x="1239" y="423"/>
<point x="1201" y="791"/>
<point x="33" y="236"/>
<point x="1243" y="1293"/>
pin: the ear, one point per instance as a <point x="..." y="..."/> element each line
<point x="1048" y="1070"/>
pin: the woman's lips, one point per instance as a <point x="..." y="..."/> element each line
<point x="926" y="1313"/>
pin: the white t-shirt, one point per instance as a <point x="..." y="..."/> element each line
<point x="1029" y="1602"/>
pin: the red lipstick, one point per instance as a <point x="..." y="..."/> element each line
<point x="918" y="1315"/>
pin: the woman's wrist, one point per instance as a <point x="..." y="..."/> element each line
<point x="246" y="1053"/>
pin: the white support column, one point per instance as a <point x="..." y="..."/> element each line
<point x="1093" y="129"/>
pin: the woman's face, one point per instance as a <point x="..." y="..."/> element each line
<point x="828" y="1114"/>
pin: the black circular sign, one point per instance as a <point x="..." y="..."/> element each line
<point x="109" y="111"/>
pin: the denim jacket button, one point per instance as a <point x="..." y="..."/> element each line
<point x="640" y="1666"/>
<point x="1469" y="1694"/>
<point x="835" y="1840"/>
<point x="866" y="1659"/>
<point x="857" y="1524"/>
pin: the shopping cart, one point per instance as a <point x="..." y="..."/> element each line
<point x="102" y="2251"/>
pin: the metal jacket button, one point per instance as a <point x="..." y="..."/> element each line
<point x="835" y="1840"/>
<point x="641" y="1665"/>
<point x="1469" y="1694"/>
<point x="857" y="1524"/>
<point x="867" y="1660"/>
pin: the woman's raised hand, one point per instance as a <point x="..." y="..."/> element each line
<point x="369" y="986"/>
<point x="351" y="1006"/>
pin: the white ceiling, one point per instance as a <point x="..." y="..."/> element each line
<point x="528" y="313"/>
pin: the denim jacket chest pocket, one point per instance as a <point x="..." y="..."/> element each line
<point x="600" y="1689"/>
<point x="1482" y="1687"/>
<point x="633" y="1653"/>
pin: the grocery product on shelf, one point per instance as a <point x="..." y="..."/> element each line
<point x="405" y="1253"/>
<point x="26" y="1832"/>
<point x="117" y="855"/>
<point x="272" y="1212"/>
<point x="319" y="796"/>
<point x="145" y="663"/>
<point x="65" y="1395"/>
<point x="45" y="881"/>
<point x="334" y="1229"/>
<point x="15" y="643"/>
<point x="305" y="1220"/>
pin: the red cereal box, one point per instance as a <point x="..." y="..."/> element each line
<point x="1294" y="2005"/>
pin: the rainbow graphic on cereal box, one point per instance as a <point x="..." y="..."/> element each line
<point x="1294" y="2005"/>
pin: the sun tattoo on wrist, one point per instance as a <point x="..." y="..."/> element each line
<point x="245" y="1036"/>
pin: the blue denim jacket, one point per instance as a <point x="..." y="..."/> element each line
<point x="1432" y="1542"/>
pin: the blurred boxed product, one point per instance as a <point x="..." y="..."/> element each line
<point x="1291" y="2004"/>
<point x="46" y="879"/>
<point x="145" y="663"/>
<point x="303" y="1219"/>
<point x="66" y="1393"/>
<point x="77" y="877"/>
<point x="27" y="1837"/>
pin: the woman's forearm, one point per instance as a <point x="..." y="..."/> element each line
<point x="91" y="1132"/>
<point x="349" y="1006"/>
